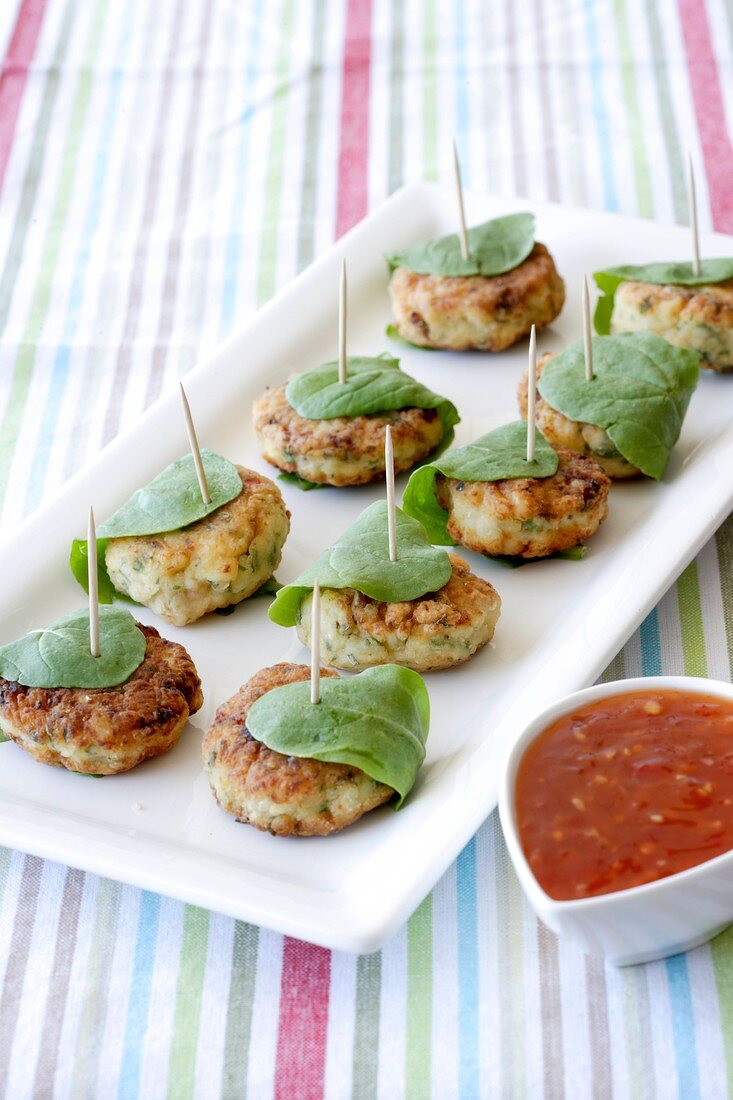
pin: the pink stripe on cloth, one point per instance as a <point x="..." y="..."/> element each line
<point x="354" y="141"/>
<point x="14" y="73"/>
<point x="711" y="121"/>
<point x="301" y="1043"/>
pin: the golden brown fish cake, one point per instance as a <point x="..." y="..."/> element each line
<point x="284" y="795"/>
<point x="103" y="731"/>
<point x="585" y="439"/>
<point x="439" y="630"/>
<point x="697" y="317"/>
<point x="216" y="562"/>
<point x="528" y="517"/>
<point x="460" y="312"/>
<point x="345" y="450"/>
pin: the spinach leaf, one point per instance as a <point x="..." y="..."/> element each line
<point x="373" y="385"/>
<point x="712" y="271"/>
<point x="639" y="395"/>
<point x="394" y="334"/>
<point x="170" y="501"/>
<point x="360" y="560"/>
<point x="301" y="482"/>
<point x="377" y="721"/>
<point x="59" y="655"/>
<point x="575" y="553"/>
<point x="499" y="454"/>
<point x="495" y="246"/>
<point x="173" y="499"/>
<point x="78" y="561"/>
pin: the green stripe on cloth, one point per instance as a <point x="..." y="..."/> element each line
<point x="633" y="115"/>
<point x="184" y="1045"/>
<point x="691" y="622"/>
<point x="366" y="1027"/>
<point x="266" y="280"/>
<point x="419" y="1004"/>
<point x="724" y="546"/>
<point x="239" y="1009"/>
<point x="721" y="953"/>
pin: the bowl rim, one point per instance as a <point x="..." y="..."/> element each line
<point x="693" y="685"/>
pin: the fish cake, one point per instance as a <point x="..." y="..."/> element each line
<point x="439" y="630"/>
<point x="218" y="561"/>
<point x="527" y="517"/>
<point x="283" y="795"/>
<point x="488" y="313"/>
<point x="345" y="450"/>
<point x="696" y="317"/>
<point x="585" y="439"/>
<point x="103" y="731"/>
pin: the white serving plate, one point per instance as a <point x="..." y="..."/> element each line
<point x="561" y="623"/>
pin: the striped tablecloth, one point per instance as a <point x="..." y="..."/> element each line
<point x="165" y="166"/>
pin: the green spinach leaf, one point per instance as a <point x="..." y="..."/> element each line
<point x="499" y="454"/>
<point x="59" y="656"/>
<point x="714" y="270"/>
<point x="173" y="499"/>
<point x="639" y="395"/>
<point x="575" y="553"/>
<point x="394" y="334"/>
<point x="170" y="501"/>
<point x="373" y="385"/>
<point x="301" y="482"/>
<point x="360" y="560"/>
<point x="79" y="561"/>
<point x="377" y="721"/>
<point x="495" y="246"/>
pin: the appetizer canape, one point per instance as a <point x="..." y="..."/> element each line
<point x="488" y="497"/>
<point x="425" y="610"/>
<point x="670" y="300"/>
<point x="167" y="549"/>
<point x="488" y="301"/>
<point x="628" y="415"/>
<point x="323" y="431"/>
<point x="293" y="767"/>
<point x="96" y="715"/>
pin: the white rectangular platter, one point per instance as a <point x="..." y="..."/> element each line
<point x="562" y="621"/>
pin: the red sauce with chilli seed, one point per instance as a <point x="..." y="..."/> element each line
<point x="627" y="790"/>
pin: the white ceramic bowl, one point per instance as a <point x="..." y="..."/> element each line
<point x="646" y="922"/>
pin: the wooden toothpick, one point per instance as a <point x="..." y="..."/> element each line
<point x="195" y="451"/>
<point x="462" y="233"/>
<point x="692" y="206"/>
<point x="92" y="586"/>
<point x="531" y="393"/>
<point x="587" y="333"/>
<point x="391" y="512"/>
<point x="316" y="644"/>
<point x="342" y="323"/>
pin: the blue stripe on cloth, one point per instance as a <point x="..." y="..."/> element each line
<point x="683" y="1027"/>
<point x="232" y="261"/>
<point x="469" y="1084"/>
<point x="139" y="1000"/>
<point x="600" y="115"/>
<point x="651" y="653"/>
<point x="60" y="370"/>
